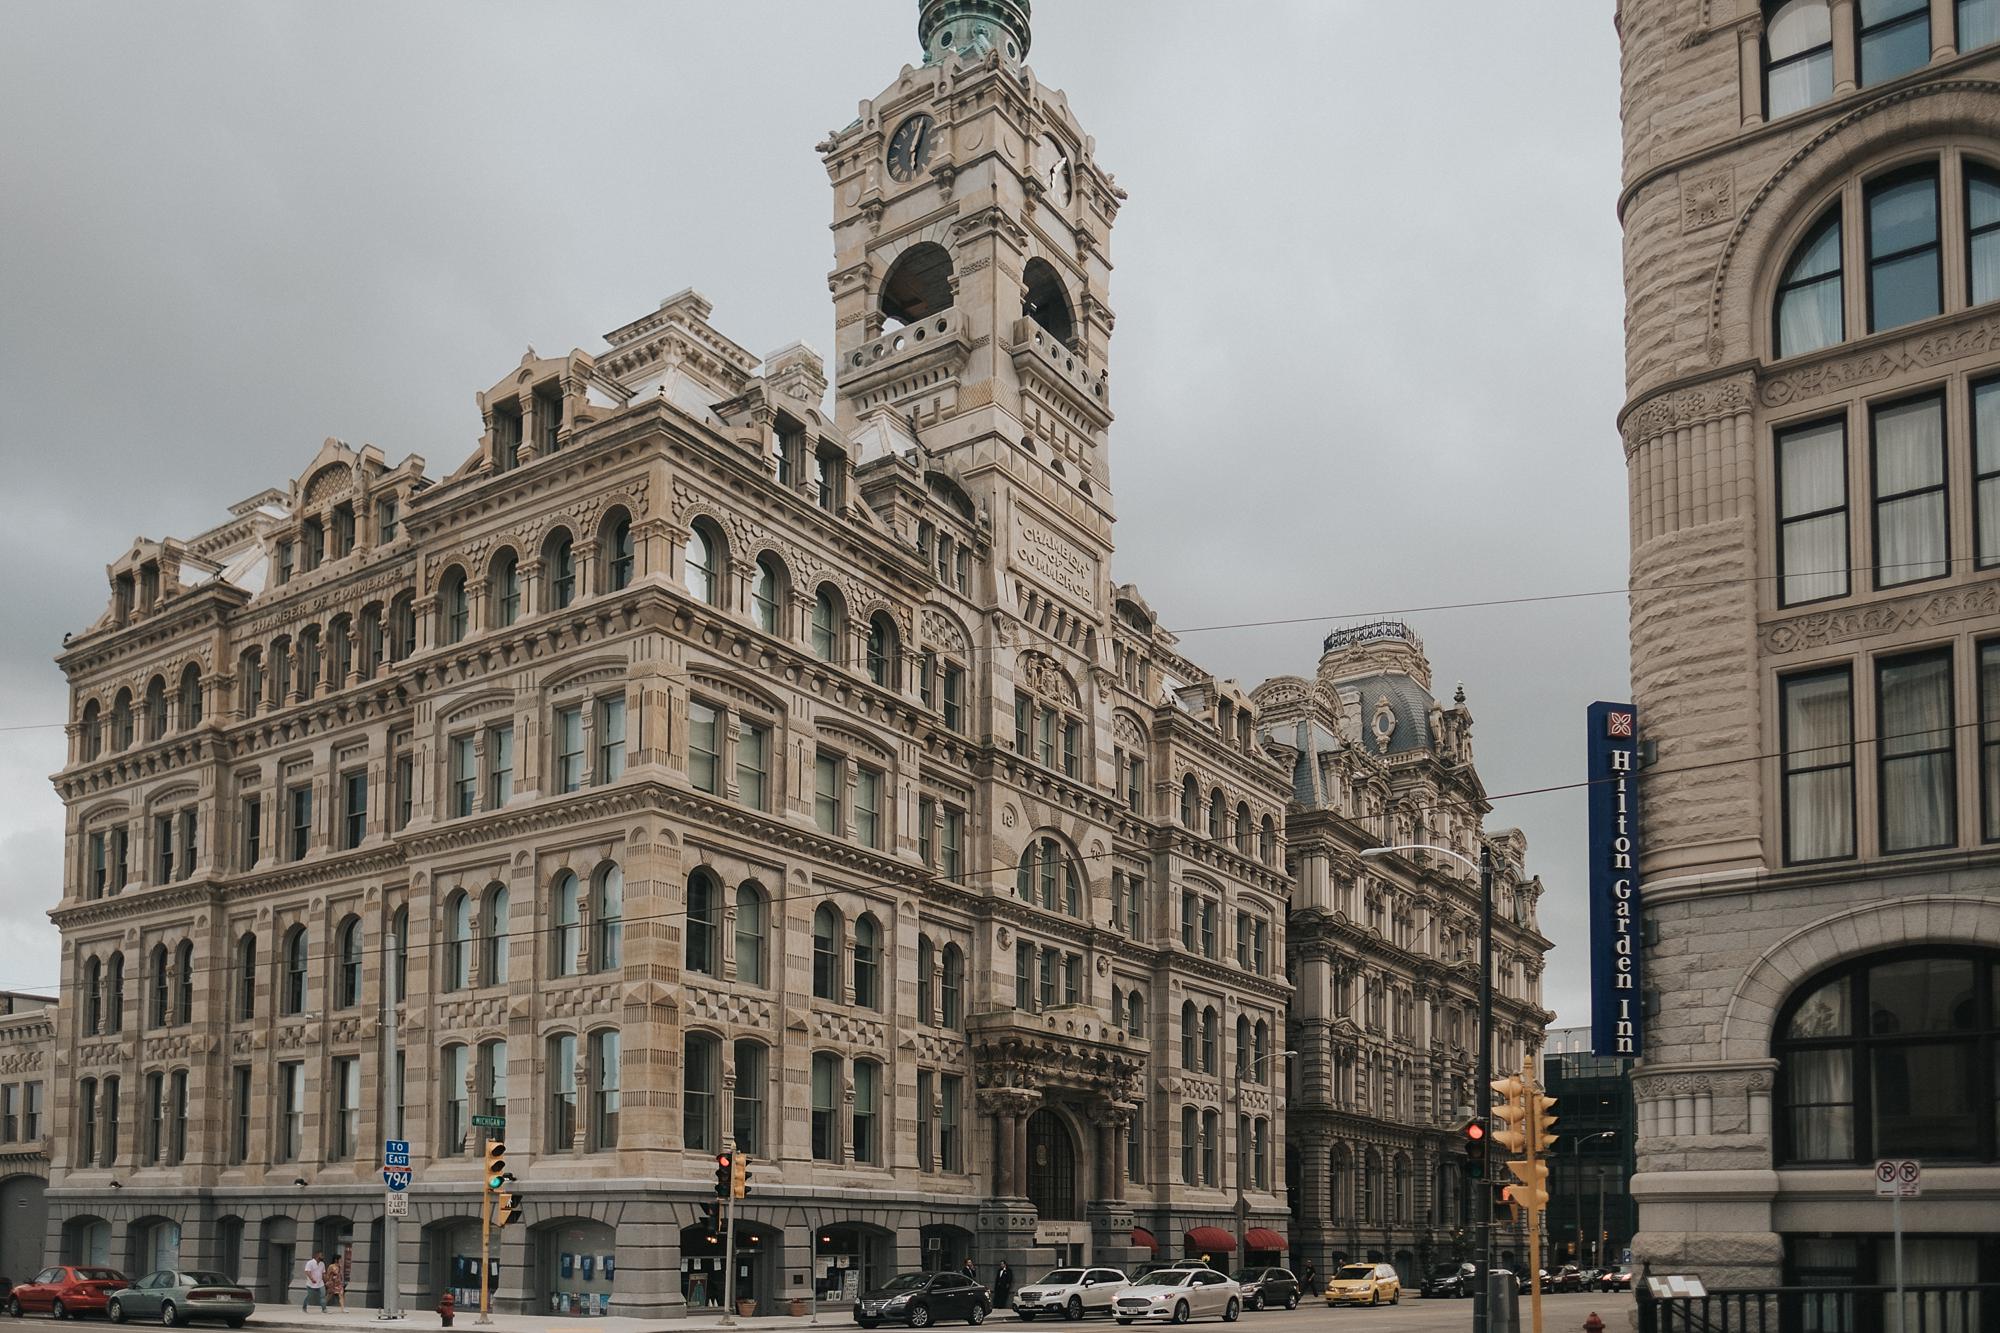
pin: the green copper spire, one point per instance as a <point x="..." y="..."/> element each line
<point x="974" y="27"/>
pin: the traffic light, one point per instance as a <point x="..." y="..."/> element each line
<point x="1475" y="1151"/>
<point x="1541" y="1121"/>
<point x="506" y="1208"/>
<point x="1511" y="1113"/>
<point x="711" y="1216"/>
<point x="496" y="1164"/>
<point x="725" y="1173"/>
<point x="739" y="1172"/>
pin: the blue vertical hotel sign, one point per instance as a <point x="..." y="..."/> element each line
<point x="1617" y="1013"/>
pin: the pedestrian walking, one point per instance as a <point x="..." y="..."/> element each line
<point x="1003" y="1285"/>
<point x="336" y="1284"/>
<point x="315" y="1283"/>
<point x="1306" y="1276"/>
<point x="967" y="1269"/>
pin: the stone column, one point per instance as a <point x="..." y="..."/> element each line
<point x="1021" y="1163"/>
<point x="1846" y="56"/>
<point x="1750" y="70"/>
<point x="1944" y="30"/>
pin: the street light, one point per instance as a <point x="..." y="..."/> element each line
<point x="1482" y="1217"/>
<point x="1242" y="1204"/>
<point x="1576" y="1170"/>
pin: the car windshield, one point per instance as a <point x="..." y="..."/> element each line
<point x="907" y="1282"/>
<point x="99" y="1275"/>
<point x="1063" y="1277"/>
<point x="207" y="1280"/>
<point x="1357" y="1272"/>
<point x="1445" y="1270"/>
<point x="1169" y="1277"/>
<point x="1249" y="1274"/>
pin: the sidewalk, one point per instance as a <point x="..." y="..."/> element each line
<point x="466" y="1321"/>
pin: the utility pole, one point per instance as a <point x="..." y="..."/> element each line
<point x="1482" y="1293"/>
<point x="392" y="1296"/>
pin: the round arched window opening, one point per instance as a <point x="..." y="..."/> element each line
<point x="918" y="285"/>
<point x="1045" y="300"/>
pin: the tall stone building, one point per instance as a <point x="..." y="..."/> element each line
<point x="729" y="773"/>
<point x="1383" y="955"/>
<point x="27" y="1052"/>
<point x="1812" y="224"/>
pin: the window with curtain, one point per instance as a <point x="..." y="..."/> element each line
<point x="1892" y="1055"/>
<point x="1190" y="1144"/>
<point x="1910" y="502"/>
<point x="750" y="918"/>
<point x="702" y="930"/>
<point x="1798" y="56"/>
<point x="704" y="747"/>
<point x="951" y="990"/>
<point x="1810" y="313"/>
<point x="1208" y="1040"/>
<point x="766" y="593"/>
<point x="618" y="552"/>
<point x="825" y="1091"/>
<point x="295" y="971"/>
<point x="1978" y="23"/>
<point x="1919" y="797"/>
<point x="926" y="984"/>
<point x="829" y="788"/>
<point x="493" y="939"/>
<point x="1817" y="720"/>
<point x="561" y="1118"/>
<point x="458" y="941"/>
<point x="1989" y="740"/>
<point x="701" y="1075"/>
<point x="866" y="1144"/>
<point x="184" y="982"/>
<point x="1904" y="283"/>
<point x="1190" y="1037"/>
<point x="826" y="953"/>
<point x="456" y="1119"/>
<point x="1982" y="233"/>
<point x="607" y="922"/>
<point x="1986" y="472"/>
<point x="747" y="1108"/>
<point x="566" y="939"/>
<point x="753" y="763"/>
<point x="825" y="627"/>
<point x="882" y="650"/>
<point x="1893" y="38"/>
<point x="347" y="988"/>
<point x="1812" y="513"/>
<point x="867" y="963"/>
<point x="699" y="567"/>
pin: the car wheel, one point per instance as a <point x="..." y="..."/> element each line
<point x="1181" y="1313"/>
<point x="1292" y="1301"/>
<point x="1231" y="1310"/>
<point x="920" y="1315"/>
<point x="169" y="1315"/>
<point x="1074" y="1309"/>
<point x="115" y="1311"/>
<point x="13" y="1308"/>
<point x="1253" y="1302"/>
<point x="979" y="1313"/>
<point x="56" y="1310"/>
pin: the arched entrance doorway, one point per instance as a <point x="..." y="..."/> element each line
<point x="86" y="1240"/>
<point x="759" y="1262"/>
<point x="946" y="1247"/>
<point x="274" y="1259"/>
<point x="576" y="1262"/>
<point x="24" y="1225"/>
<point x="152" y="1243"/>
<point x="850" y="1258"/>
<point x="1051" y="1167"/>
<point x="451" y="1262"/>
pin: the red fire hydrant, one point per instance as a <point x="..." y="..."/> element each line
<point x="446" y="1306"/>
<point x="1590" y="1325"/>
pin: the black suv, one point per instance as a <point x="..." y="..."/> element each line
<point x="1450" y="1280"/>
<point x="1269" y="1288"/>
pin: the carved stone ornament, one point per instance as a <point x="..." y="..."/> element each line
<point x="1705" y="201"/>
<point x="1686" y="407"/>
<point x="1980" y="601"/>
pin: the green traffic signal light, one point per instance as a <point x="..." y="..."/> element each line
<point x="496" y="1164"/>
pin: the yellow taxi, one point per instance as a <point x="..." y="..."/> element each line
<point x="1364" y="1284"/>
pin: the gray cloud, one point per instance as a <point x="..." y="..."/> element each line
<point x="1367" y="291"/>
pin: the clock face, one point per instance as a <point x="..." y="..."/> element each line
<point x="910" y="147"/>
<point x="1056" y="172"/>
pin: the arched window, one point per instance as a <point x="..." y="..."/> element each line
<point x="156" y="1007"/>
<point x="702" y="934"/>
<point x="1810" y="313"/>
<point x="608" y="921"/>
<point x="458" y="941"/>
<point x="121" y="721"/>
<point x="1260" y="1052"/>
<point x="825" y="1098"/>
<point x="294" y="1000"/>
<point x="866" y="1143"/>
<point x="402" y="625"/>
<point x="867" y="963"/>
<point x="701" y="1092"/>
<point x="1190" y="1144"/>
<point x="156" y="708"/>
<point x="372" y="641"/>
<point x="1798" y="56"/>
<point x="561" y="1116"/>
<point x="399" y="924"/>
<point x="93" y="997"/>
<point x="454" y="606"/>
<point x="114" y="994"/>
<point x="1209" y="1018"/>
<point x="826" y="624"/>
<point x="616" y="552"/>
<point x="701" y="565"/>
<point x="1905" y="276"/>
<point x="559" y="570"/>
<point x="751" y="969"/>
<point x="1190" y="802"/>
<point x="492" y="1076"/>
<point x="340" y="635"/>
<point x="767" y="591"/>
<point x="1371" y="1187"/>
<point x="246" y="977"/>
<point x="951" y="989"/>
<point x="917" y="285"/>
<point x="926" y="984"/>
<point x="1246" y="1071"/>
<point x="1338" y="1184"/>
<point x="1047" y="874"/>
<point x="456" y="1118"/>
<point x="309" y="661"/>
<point x="493" y="944"/>
<point x="1982" y="241"/>
<point x="1135" y="1012"/>
<point x="826" y="953"/>
<point x="882" y="650"/>
<point x="1891" y="1056"/>
<point x="1218" y="815"/>
<point x="1190" y="1037"/>
<point x="1246" y="828"/>
<point x="566" y="914"/>
<point x="1044" y="300"/>
<point x="605" y="1089"/>
<point x="91" y="724"/>
<point x="1267" y="841"/>
<point x="1402" y="1188"/>
<point x="190" y="700"/>
<point x="1211" y="1144"/>
<point x="347" y="964"/>
<point x="503" y="588"/>
<point x="752" y="1060"/>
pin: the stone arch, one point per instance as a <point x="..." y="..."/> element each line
<point x="1869" y="928"/>
<point x="1930" y="113"/>
<point x="920" y="281"/>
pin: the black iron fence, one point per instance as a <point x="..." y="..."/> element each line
<point x="1926" y="1309"/>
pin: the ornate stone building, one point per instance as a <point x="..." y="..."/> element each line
<point x="728" y="773"/>
<point x="27" y="1052"/>
<point x="1383" y="954"/>
<point x="1812" y="249"/>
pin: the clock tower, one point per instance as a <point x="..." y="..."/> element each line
<point x="972" y="230"/>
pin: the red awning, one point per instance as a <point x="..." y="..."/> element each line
<point x="1145" y="1240"/>
<point x="1261" y="1238"/>
<point x="1211" y="1238"/>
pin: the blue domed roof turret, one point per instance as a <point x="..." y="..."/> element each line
<point x="971" y="28"/>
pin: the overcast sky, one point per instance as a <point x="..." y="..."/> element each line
<point x="1367" y="285"/>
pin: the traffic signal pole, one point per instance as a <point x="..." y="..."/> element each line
<point x="1484" y="1093"/>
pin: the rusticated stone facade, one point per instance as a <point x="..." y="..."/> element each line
<point x="729" y="773"/>
<point x="1777" y="860"/>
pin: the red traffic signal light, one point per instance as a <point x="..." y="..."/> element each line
<point x="1475" y="1132"/>
<point x="1475" y="1151"/>
<point x="724" y="1172"/>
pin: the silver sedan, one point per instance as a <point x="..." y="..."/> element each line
<point x="175" y="1295"/>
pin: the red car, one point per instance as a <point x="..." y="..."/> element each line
<point x="65" y="1290"/>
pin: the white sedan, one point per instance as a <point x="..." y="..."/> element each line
<point x="1070" y="1292"/>
<point x="1176" y="1295"/>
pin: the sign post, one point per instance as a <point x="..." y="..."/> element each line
<point x="1617" y="1012"/>
<point x="395" y="1202"/>
<point x="1896" y="1177"/>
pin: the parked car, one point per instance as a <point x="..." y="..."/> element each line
<point x="65" y="1290"/>
<point x="1460" y="1279"/>
<point x="1616" y="1279"/>
<point x="1268" y="1288"/>
<point x="1567" y="1278"/>
<point x="1070" y="1292"/>
<point x="1364" y="1284"/>
<point x="175" y="1296"/>
<point x="922" y="1299"/>
<point x="1176" y="1295"/>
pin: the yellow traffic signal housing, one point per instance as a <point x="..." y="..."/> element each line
<point x="739" y="1167"/>
<point x="1510" y="1109"/>
<point x="496" y="1164"/>
<point x="506" y="1208"/>
<point x="1532" y="1193"/>
<point x="1541" y="1121"/>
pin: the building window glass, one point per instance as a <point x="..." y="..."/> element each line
<point x="569" y="749"/>
<point x="750" y="969"/>
<point x="1910" y="524"/>
<point x="1982" y="240"/>
<point x="866" y="1111"/>
<point x="493" y="1079"/>
<point x="1989" y="740"/>
<point x="1812" y="515"/>
<point x="766" y="590"/>
<point x="825" y="1087"/>
<point x="499" y="766"/>
<point x="704" y="748"/>
<point x="868" y="807"/>
<point x="827" y="795"/>
<point x="951" y="989"/>
<point x="291" y="1110"/>
<point x="699" y="567"/>
<point x="607" y="924"/>
<point x="566" y="940"/>
<point x="1798" y="57"/>
<point x="753" y="764"/>
<point x="825" y="625"/>
<point x="1894" y="38"/>
<point x="493" y="937"/>
<point x="1918" y="796"/>
<point x="867" y="963"/>
<point x="560" y="562"/>
<point x="701" y="1057"/>
<point x="826" y="953"/>
<point x="747" y="1100"/>
<point x="1904" y="285"/>
<point x="347" y="965"/>
<point x="1810" y="314"/>
<point x="702" y="933"/>
<point x="561" y="1124"/>
<point x="458" y="941"/>
<point x="346" y="1106"/>
<point x="1817" y="717"/>
<point x="610" y="723"/>
<point x="618" y="547"/>
<point x="1978" y="23"/>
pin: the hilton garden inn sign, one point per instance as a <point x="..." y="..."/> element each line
<point x="1617" y="1011"/>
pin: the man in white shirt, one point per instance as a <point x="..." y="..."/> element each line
<point x="315" y="1282"/>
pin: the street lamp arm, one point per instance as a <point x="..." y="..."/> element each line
<point x="1374" y="852"/>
